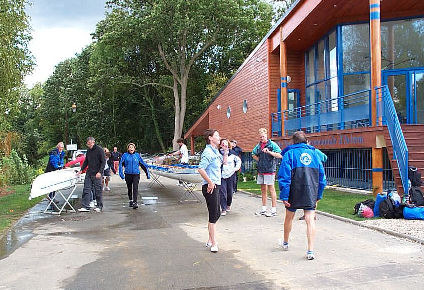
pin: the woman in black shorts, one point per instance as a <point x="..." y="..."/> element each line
<point x="210" y="170"/>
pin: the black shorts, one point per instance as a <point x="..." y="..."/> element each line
<point x="212" y="202"/>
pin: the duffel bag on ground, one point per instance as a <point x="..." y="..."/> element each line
<point x="413" y="213"/>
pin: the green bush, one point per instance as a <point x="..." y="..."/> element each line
<point x="15" y="170"/>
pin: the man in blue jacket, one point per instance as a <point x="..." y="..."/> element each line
<point x="301" y="179"/>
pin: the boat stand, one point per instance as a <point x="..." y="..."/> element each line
<point x="155" y="180"/>
<point x="188" y="194"/>
<point x="66" y="195"/>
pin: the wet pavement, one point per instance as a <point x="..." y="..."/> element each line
<point x="161" y="246"/>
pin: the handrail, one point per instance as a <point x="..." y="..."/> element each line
<point x="304" y="108"/>
<point x="387" y="110"/>
<point x="340" y="111"/>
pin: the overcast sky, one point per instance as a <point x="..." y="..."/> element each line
<point x="60" y="29"/>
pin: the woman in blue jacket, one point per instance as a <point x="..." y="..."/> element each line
<point x="132" y="161"/>
<point x="301" y="179"/>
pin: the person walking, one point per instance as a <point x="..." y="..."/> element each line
<point x="95" y="161"/>
<point x="301" y="179"/>
<point x="210" y="170"/>
<point x="115" y="158"/>
<point x="131" y="161"/>
<point x="229" y="170"/>
<point x="265" y="153"/>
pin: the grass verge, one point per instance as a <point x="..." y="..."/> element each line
<point x="15" y="205"/>
<point x="335" y="202"/>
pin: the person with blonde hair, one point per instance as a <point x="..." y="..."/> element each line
<point x="266" y="153"/>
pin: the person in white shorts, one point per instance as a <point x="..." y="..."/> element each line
<point x="265" y="153"/>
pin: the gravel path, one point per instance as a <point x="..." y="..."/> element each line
<point x="413" y="228"/>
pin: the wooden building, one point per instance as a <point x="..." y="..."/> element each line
<point x="328" y="67"/>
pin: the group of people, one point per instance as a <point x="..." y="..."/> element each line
<point x="301" y="177"/>
<point x="98" y="165"/>
<point x="301" y="180"/>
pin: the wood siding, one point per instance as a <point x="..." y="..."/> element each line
<point x="250" y="84"/>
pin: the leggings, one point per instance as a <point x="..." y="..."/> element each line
<point x="212" y="202"/>
<point x="132" y="185"/>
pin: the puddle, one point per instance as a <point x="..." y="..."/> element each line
<point x="22" y="232"/>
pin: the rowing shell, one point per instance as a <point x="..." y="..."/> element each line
<point x="191" y="176"/>
<point x="53" y="181"/>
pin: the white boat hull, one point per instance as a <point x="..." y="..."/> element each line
<point x="183" y="175"/>
<point x="53" y="181"/>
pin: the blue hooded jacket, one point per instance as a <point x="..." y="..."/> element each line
<point x="301" y="176"/>
<point x="55" y="160"/>
<point x="132" y="162"/>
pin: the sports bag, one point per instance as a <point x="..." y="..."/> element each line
<point x="388" y="210"/>
<point x="413" y="213"/>
<point x="368" y="202"/>
<point x="416" y="196"/>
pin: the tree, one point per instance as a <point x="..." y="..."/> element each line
<point x="184" y="30"/>
<point x="16" y="60"/>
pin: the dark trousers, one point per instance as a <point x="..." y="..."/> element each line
<point x="212" y="202"/>
<point x="132" y="185"/>
<point x="226" y="191"/>
<point x="235" y="178"/>
<point x="91" y="183"/>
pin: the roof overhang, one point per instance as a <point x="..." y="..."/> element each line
<point x="199" y="127"/>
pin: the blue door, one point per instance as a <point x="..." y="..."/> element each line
<point x="407" y="90"/>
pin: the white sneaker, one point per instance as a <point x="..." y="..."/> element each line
<point x="224" y="213"/>
<point x="262" y="212"/>
<point x="284" y="246"/>
<point x="107" y="188"/>
<point x="214" y="249"/>
<point x="310" y="255"/>
<point x="208" y="244"/>
<point x="92" y="204"/>
<point x="97" y="209"/>
<point x="271" y="214"/>
<point x="83" y="209"/>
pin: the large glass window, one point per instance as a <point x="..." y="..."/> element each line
<point x="355" y="83"/>
<point x="321" y="61"/>
<point x="356" y="49"/>
<point x="310" y="66"/>
<point x="402" y="44"/>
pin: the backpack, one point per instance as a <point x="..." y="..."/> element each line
<point x="414" y="176"/>
<point x="368" y="202"/>
<point x="416" y="196"/>
<point x="388" y="210"/>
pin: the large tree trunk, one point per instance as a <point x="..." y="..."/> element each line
<point x="177" y="130"/>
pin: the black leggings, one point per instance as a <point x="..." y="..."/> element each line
<point x="132" y="185"/>
<point x="212" y="202"/>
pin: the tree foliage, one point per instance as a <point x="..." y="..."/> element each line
<point x="150" y="62"/>
<point x="15" y="58"/>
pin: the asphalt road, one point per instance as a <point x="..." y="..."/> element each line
<point x="161" y="246"/>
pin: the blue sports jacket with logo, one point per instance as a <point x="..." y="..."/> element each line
<point x="301" y="176"/>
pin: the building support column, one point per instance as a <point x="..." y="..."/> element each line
<point x="375" y="42"/>
<point x="377" y="171"/>
<point x="375" y="39"/>
<point x="192" y="145"/>
<point x="283" y="75"/>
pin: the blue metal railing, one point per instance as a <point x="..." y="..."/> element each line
<point x="348" y="111"/>
<point x="386" y="112"/>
